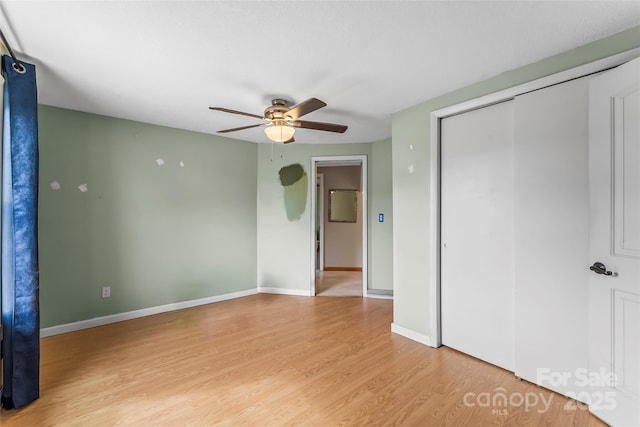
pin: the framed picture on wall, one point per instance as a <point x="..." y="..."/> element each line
<point x="343" y="205"/>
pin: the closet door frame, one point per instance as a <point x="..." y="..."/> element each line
<point x="435" y="245"/>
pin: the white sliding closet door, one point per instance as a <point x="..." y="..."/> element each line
<point x="552" y="235"/>
<point x="477" y="233"/>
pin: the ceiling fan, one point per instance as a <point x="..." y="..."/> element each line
<point x="281" y="120"/>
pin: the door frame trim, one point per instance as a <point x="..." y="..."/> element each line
<point x="359" y="159"/>
<point x="435" y="329"/>
<point x="320" y="183"/>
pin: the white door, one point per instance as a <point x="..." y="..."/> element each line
<point x="552" y="234"/>
<point x="614" y="208"/>
<point x="477" y="233"/>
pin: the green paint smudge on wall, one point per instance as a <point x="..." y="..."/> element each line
<point x="295" y="198"/>
<point x="291" y="174"/>
<point x="295" y="182"/>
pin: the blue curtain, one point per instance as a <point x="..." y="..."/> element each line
<point x="20" y="307"/>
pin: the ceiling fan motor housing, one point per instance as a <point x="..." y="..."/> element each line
<point x="276" y="111"/>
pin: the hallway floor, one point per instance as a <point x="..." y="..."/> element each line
<point x="339" y="283"/>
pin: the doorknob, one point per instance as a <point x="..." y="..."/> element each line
<point x="600" y="268"/>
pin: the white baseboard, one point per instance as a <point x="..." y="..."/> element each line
<point x="379" y="296"/>
<point x="412" y="335"/>
<point x="281" y="291"/>
<point x="119" y="317"/>
<point x="379" y="293"/>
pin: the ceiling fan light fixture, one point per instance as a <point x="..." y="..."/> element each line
<point x="281" y="120"/>
<point x="279" y="132"/>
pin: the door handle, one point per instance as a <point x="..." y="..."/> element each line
<point x="600" y="268"/>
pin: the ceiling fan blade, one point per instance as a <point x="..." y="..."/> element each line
<point x="242" y="128"/>
<point x="305" y="107"/>
<point x="330" y="127"/>
<point x="289" y="140"/>
<point x="227" y="110"/>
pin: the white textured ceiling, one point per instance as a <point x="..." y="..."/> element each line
<point x="165" y="62"/>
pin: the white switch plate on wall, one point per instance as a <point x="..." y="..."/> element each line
<point x="106" y="291"/>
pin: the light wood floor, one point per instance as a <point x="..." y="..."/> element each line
<point x="339" y="283"/>
<point x="271" y="360"/>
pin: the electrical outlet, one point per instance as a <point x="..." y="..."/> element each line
<point x="106" y="292"/>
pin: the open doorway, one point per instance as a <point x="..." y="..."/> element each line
<point x="339" y="226"/>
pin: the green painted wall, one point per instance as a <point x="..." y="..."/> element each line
<point x="155" y="234"/>
<point x="411" y="173"/>
<point x="381" y="201"/>
<point x="284" y="243"/>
